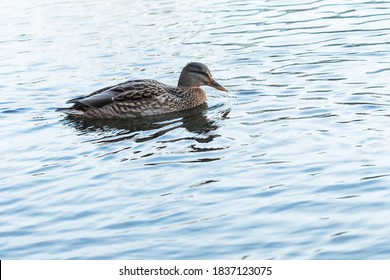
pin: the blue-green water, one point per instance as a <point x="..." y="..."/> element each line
<point x="292" y="163"/>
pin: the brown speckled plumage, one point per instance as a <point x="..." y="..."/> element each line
<point x="146" y="97"/>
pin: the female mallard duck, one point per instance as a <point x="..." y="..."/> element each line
<point x="146" y="97"/>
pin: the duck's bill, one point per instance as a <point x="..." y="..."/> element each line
<point x="214" y="84"/>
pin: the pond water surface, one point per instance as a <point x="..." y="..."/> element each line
<point x="292" y="163"/>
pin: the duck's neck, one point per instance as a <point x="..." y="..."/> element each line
<point x="187" y="85"/>
<point x="186" y="81"/>
<point x="192" y="97"/>
<point x="183" y="84"/>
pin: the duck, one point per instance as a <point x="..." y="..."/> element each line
<point x="147" y="97"/>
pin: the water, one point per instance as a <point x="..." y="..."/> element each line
<point x="291" y="163"/>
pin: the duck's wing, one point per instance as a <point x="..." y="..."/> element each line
<point x="124" y="92"/>
<point x="140" y="89"/>
<point x="74" y="100"/>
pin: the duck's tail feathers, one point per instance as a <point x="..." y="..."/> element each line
<point x="71" y="112"/>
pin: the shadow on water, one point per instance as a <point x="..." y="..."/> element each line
<point x="115" y="130"/>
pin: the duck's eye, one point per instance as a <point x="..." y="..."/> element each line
<point x="200" y="72"/>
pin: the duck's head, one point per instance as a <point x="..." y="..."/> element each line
<point x="196" y="74"/>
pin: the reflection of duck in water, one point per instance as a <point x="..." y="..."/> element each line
<point x="193" y="120"/>
<point x="146" y="97"/>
